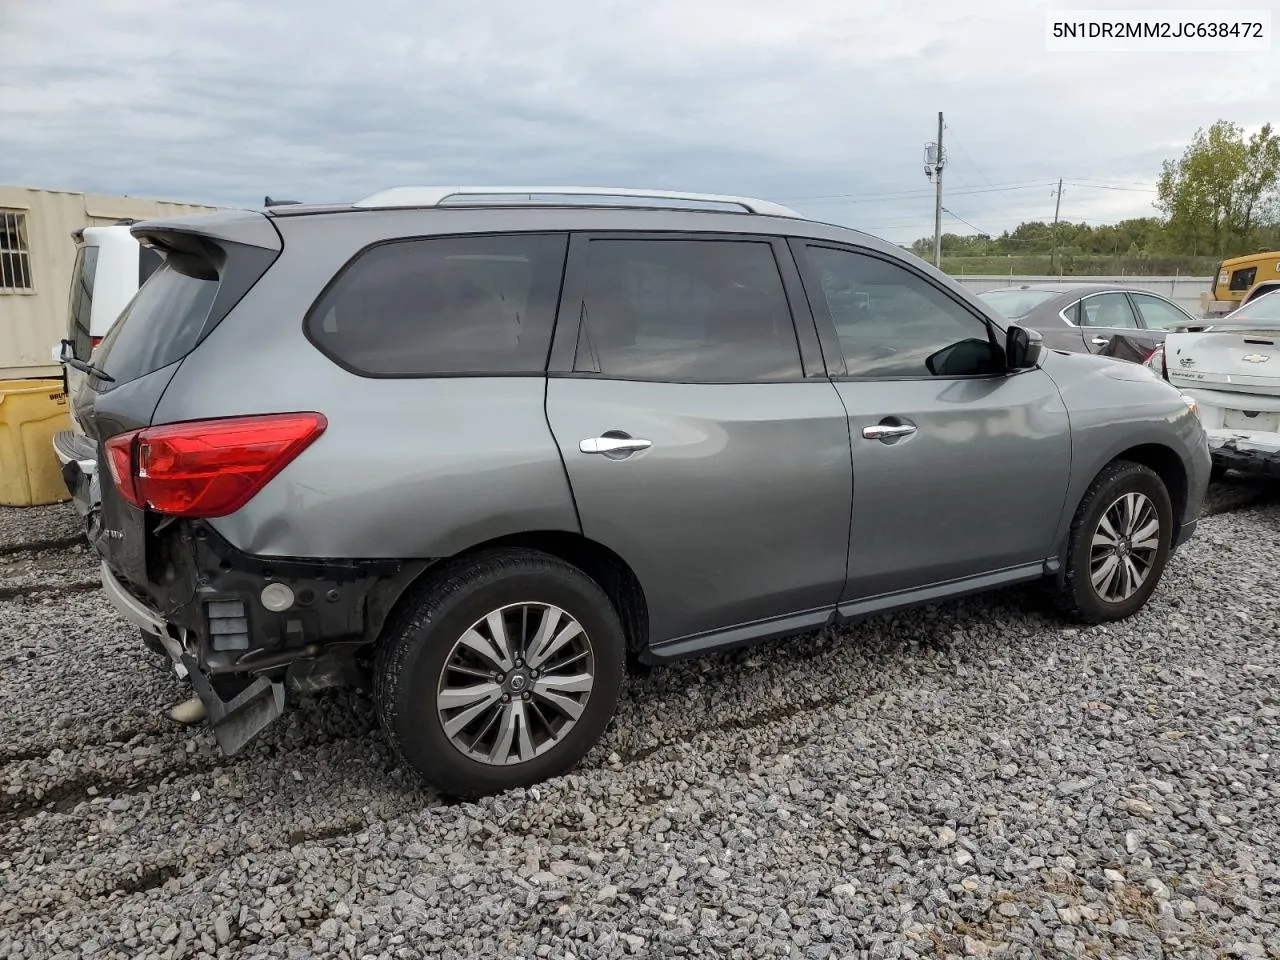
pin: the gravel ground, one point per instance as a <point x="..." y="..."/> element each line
<point x="972" y="779"/>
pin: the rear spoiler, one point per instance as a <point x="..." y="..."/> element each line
<point x="78" y="233"/>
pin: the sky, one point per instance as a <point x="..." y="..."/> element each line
<point x="825" y="105"/>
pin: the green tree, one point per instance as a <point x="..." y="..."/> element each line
<point x="1221" y="191"/>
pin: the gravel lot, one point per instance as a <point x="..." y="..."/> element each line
<point x="973" y="779"/>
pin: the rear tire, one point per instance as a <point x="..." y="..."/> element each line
<point x="1115" y="557"/>
<point x="435" y="673"/>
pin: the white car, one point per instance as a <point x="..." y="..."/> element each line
<point x="1230" y="367"/>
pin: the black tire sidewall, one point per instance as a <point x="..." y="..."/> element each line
<point x="1119" y="480"/>
<point x="426" y="640"/>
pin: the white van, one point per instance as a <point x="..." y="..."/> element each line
<point x="110" y="266"/>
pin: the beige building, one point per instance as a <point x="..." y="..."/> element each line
<point x="37" y="255"/>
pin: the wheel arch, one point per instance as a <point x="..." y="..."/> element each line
<point x="613" y="574"/>
<point x="1154" y="454"/>
<point x="1168" y="466"/>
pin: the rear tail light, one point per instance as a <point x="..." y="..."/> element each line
<point x="94" y="341"/>
<point x="1155" y="360"/>
<point x="207" y="468"/>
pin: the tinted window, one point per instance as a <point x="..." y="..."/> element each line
<point x="694" y="311"/>
<point x="148" y="262"/>
<point x="1156" y="313"/>
<point x="82" y="299"/>
<point x="892" y="323"/>
<point x="1016" y="303"/>
<point x="1107" y="310"/>
<point x="162" y="322"/>
<point x="445" y="305"/>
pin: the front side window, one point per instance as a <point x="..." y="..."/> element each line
<point x="444" y="305"/>
<point x="1107" y="310"/>
<point x="692" y="311"/>
<point x="893" y="324"/>
<point x="1158" y="314"/>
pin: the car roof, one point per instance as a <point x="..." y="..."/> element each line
<point x="578" y="208"/>
<point x="1068" y="288"/>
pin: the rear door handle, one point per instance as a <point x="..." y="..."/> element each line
<point x="888" y="431"/>
<point x="615" y="445"/>
<point x="1100" y="341"/>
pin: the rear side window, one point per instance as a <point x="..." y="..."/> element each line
<point x="162" y="323"/>
<point x="692" y="311"/>
<point x="1107" y="310"/>
<point x="82" y="300"/>
<point x="1156" y="313"/>
<point x="445" y="305"/>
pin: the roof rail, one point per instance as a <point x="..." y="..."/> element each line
<point x="439" y="197"/>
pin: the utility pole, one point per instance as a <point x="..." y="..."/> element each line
<point x="937" y="203"/>
<point x="1053" y="251"/>
<point x="934" y="160"/>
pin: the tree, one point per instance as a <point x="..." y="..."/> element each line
<point x="1221" y="190"/>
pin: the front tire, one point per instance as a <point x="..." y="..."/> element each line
<point x="505" y="672"/>
<point x="1119" y="544"/>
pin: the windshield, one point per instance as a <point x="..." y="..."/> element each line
<point x="82" y="300"/>
<point x="1265" y="307"/>
<point x="1016" y="303"/>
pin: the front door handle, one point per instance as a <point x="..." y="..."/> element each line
<point x="1100" y="341"/>
<point x="614" y="444"/>
<point x="888" y="431"/>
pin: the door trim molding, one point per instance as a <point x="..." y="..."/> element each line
<point x="855" y="609"/>
<point x="744" y="634"/>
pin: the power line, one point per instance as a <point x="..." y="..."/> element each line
<point x="1103" y="186"/>
<point x="965" y="153"/>
<point x="915" y="194"/>
<point x="952" y="213"/>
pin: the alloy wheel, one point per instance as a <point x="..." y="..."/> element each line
<point x="515" y="683"/>
<point x="1124" y="547"/>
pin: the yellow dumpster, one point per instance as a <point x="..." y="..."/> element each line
<point x="31" y="412"/>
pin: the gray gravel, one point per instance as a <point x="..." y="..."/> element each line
<point x="973" y="779"/>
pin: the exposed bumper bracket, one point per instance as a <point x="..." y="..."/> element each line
<point x="237" y="721"/>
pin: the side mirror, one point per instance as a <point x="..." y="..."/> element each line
<point x="1022" y="347"/>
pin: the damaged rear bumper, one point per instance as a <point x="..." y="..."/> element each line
<point x="236" y="721"/>
<point x="1253" y="452"/>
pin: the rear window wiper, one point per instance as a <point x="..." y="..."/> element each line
<point x="85" y="366"/>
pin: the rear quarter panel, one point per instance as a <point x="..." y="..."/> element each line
<point x="407" y="468"/>
<point x="1116" y="406"/>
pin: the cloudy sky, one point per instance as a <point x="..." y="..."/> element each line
<point x="825" y="104"/>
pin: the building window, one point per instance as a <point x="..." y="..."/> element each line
<point x="15" y="254"/>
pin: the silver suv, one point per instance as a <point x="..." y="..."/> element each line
<point x="481" y="448"/>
